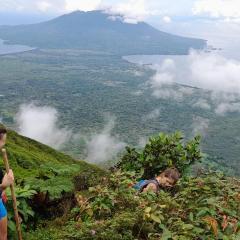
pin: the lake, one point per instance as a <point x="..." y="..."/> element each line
<point x="10" y="49"/>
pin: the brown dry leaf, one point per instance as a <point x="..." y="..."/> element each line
<point x="235" y="224"/>
<point x="238" y="196"/>
<point x="225" y="222"/>
<point x="213" y="223"/>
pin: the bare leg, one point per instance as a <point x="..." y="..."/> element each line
<point x="3" y="229"/>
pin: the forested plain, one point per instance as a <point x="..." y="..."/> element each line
<point x="85" y="86"/>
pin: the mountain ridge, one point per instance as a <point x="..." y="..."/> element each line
<point x="94" y="30"/>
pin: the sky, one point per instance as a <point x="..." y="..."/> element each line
<point x="167" y="10"/>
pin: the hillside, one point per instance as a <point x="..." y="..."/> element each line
<point x="43" y="168"/>
<point x="201" y="206"/>
<point x="97" y="32"/>
<point x="60" y="198"/>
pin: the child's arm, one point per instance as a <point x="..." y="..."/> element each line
<point x="8" y="179"/>
<point x="150" y="187"/>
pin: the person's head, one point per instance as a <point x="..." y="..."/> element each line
<point x="3" y="136"/>
<point x="169" y="177"/>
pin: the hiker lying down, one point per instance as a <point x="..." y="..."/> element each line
<point x="167" y="178"/>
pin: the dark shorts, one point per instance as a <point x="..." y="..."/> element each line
<point x="3" y="211"/>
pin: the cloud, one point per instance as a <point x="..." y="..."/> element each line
<point x="227" y="9"/>
<point x="167" y="19"/>
<point x="72" y="5"/>
<point x="132" y="11"/>
<point x="217" y="75"/>
<point x="220" y="75"/>
<point x="224" y="108"/>
<point x="152" y="115"/>
<point x="200" y="126"/>
<point x="203" y="104"/>
<point x="104" y="146"/>
<point x="214" y="72"/>
<point x="53" y="6"/>
<point x="42" y="124"/>
<point x="161" y="79"/>
<point x="163" y="82"/>
<point x="43" y="6"/>
<point x="164" y="75"/>
<point x="142" y="142"/>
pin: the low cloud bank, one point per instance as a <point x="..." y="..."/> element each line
<point x="210" y="71"/>
<point x="104" y="146"/>
<point x="200" y="126"/>
<point x="214" y="72"/>
<point x="203" y="104"/>
<point x="163" y="82"/>
<point x="152" y="115"/>
<point x="42" y="124"/>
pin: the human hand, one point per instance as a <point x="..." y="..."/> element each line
<point x="8" y="179"/>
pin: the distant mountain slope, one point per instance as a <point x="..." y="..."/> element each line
<point x="96" y="31"/>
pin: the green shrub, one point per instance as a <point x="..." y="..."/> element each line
<point x="161" y="152"/>
<point x="203" y="208"/>
<point x="23" y="195"/>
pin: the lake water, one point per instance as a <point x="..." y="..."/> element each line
<point x="10" y="49"/>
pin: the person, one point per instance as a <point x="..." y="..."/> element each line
<point x="167" y="178"/>
<point x="5" y="182"/>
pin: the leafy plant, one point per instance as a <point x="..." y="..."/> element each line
<point x="206" y="207"/>
<point x="23" y="195"/>
<point x="161" y="152"/>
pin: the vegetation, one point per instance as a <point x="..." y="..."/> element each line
<point x="161" y="152"/>
<point x="90" y="84"/>
<point x="205" y="207"/>
<point x="44" y="177"/>
<point x="103" y="205"/>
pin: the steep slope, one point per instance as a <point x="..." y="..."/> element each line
<point x="43" y="168"/>
<point x="96" y="31"/>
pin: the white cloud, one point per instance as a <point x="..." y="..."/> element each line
<point x="228" y="9"/>
<point x="164" y="74"/>
<point x="167" y="19"/>
<point x="224" y="108"/>
<point x="72" y="5"/>
<point x="131" y="10"/>
<point x="163" y="81"/>
<point x="214" y="72"/>
<point x="42" y="124"/>
<point x="54" y="6"/>
<point x="152" y="115"/>
<point x="200" y="126"/>
<point x="203" y="104"/>
<point x="43" y="6"/>
<point x="161" y="84"/>
<point x="142" y="141"/>
<point x="104" y="146"/>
